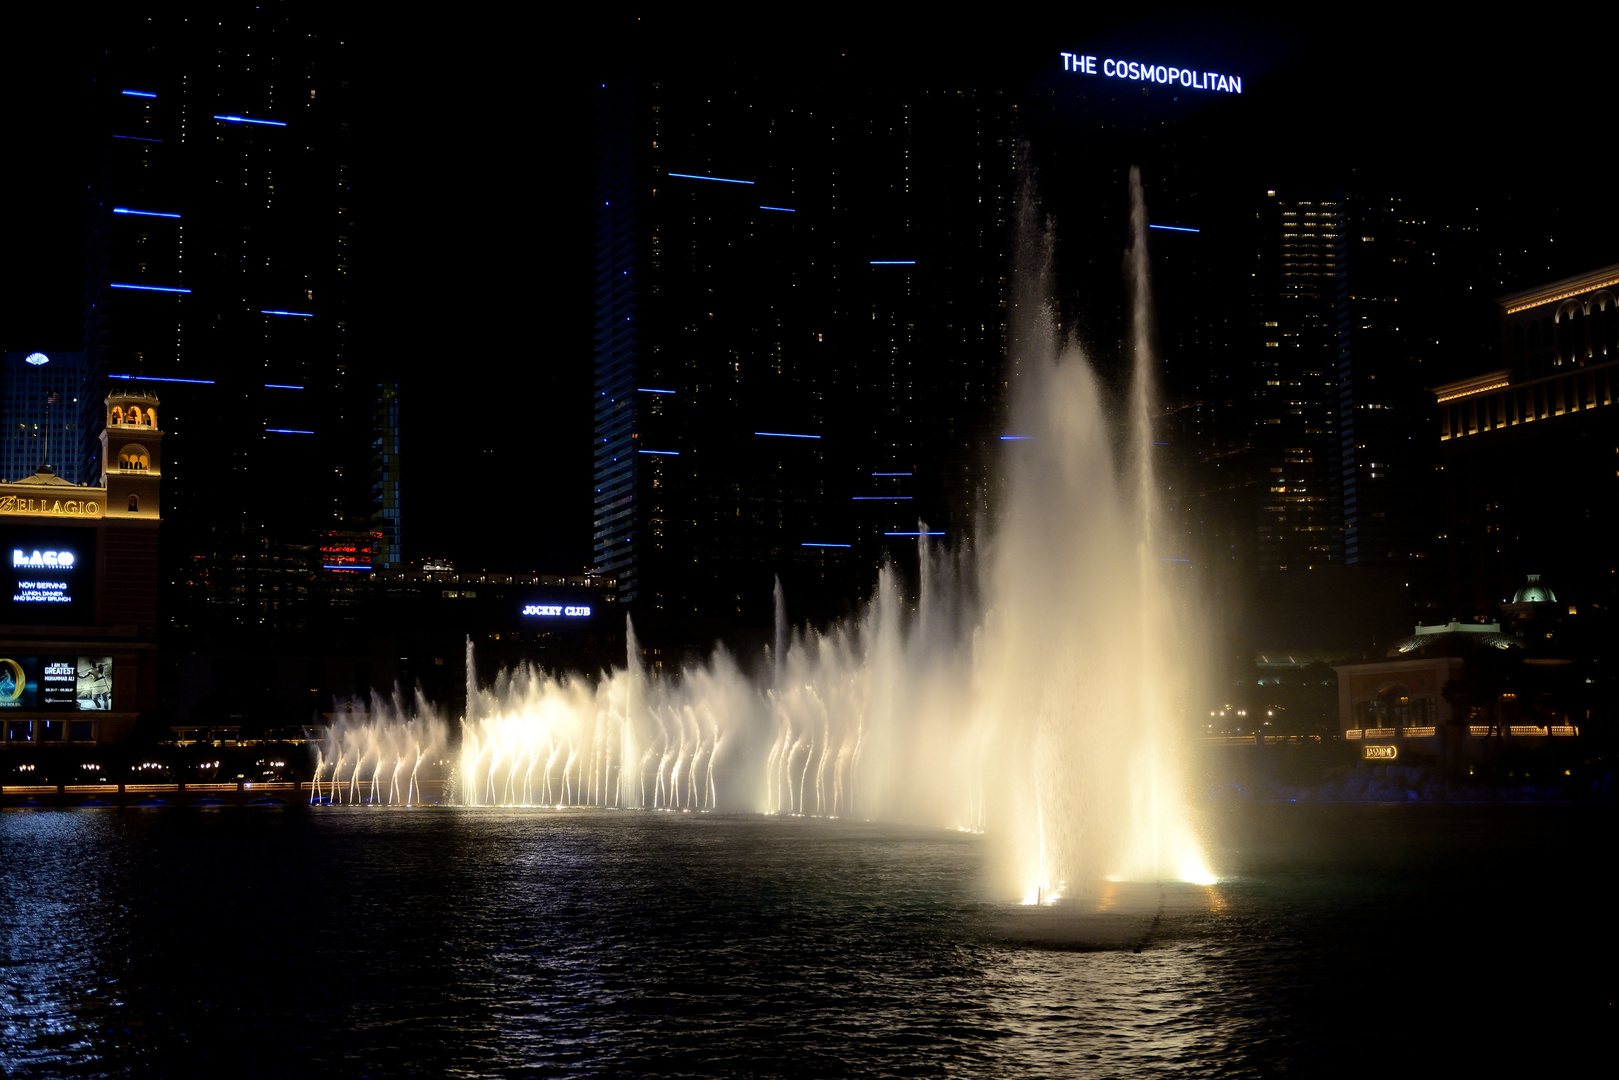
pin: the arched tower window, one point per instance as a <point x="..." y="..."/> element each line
<point x="134" y="504"/>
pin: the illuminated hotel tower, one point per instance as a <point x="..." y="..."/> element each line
<point x="1295" y="382"/>
<point x="799" y="318"/>
<point x="218" y="273"/>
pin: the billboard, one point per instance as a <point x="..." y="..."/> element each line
<point x="49" y="575"/>
<point x="56" y="683"/>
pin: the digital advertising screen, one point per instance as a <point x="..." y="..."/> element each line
<point x="49" y="576"/>
<point x="56" y="683"/>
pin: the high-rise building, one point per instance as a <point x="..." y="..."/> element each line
<point x="1295" y="404"/>
<point x="385" y="478"/>
<point x="1387" y="339"/>
<point x="218" y="272"/>
<point x="799" y="325"/>
<point x="40" y="422"/>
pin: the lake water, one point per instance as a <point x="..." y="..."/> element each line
<point x="1342" y="940"/>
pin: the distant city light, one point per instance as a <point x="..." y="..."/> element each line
<point x="825" y="545"/>
<point x="1174" y="228"/>
<point x="142" y="213"/>
<point x="147" y="288"/>
<point x="666" y="453"/>
<point x="37" y="358"/>
<point x="297" y="314"/>
<point x="717" y="179"/>
<point x="881" y="498"/>
<point x="913" y="533"/>
<point x="248" y="120"/>
<point x="159" y="378"/>
<point x="891" y="474"/>
<point x="893" y="262"/>
<point x="287" y="431"/>
<point x="649" y="390"/>
<point x="785" y="435"/>
<point x="281" y="386"/>
<point x="138" y="93"/>
<point x="136" y="138"/>
<point x="783" y="209"/>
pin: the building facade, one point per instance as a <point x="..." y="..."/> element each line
<point x="40" y="422"/>
<point x="79" y="629"/>
<point x="218" y="270"/>
<point x="799" y="325"/>
<point x="1528" y="449"/>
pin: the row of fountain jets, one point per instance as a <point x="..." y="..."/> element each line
<point x="1033" y="692"/>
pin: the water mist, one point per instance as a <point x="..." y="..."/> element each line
<point x="1038" y="691"/>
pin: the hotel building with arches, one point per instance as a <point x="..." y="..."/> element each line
<point x="1529" y="448"/>
<point x="78" y="606"/>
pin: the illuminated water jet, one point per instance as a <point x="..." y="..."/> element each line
<point x="1034" y="692"/>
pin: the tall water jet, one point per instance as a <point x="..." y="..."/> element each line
<point x="1037" y="689"/>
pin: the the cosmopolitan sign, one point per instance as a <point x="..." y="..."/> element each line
<point x="556" y="609"/>
<point x="1167" y="74"/>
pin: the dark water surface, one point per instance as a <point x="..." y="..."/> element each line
<point x="1343" y="940"/>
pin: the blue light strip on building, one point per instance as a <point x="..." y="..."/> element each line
<point x="1174" y="560"/>
<point x="717" y="179"/>
<point x="893" y="262"/>
<point x="138" y="93"/>
<point x="158" y="378"/>
<point x="298" y="314"/>
<point x="666" y="453"/>
<point x="881" y="498"/>
<point x="783" y="209"/>
<point x="1173" y="228"/>
<point x="147" y="288"/>
<point x="281" y="386"/>
<point x="891" y="474"/>
<point x="142" y="213"/>
<point x="913" y="534"/>
<point x="360" y="567"/>
<point x="785" y="435"/>
<point x="287" y="431"/>
<point x="649" y="390"/>
<point x="826" y="545"/>
<point x="136" y="138"/>
<point x="1015" y="438"/>
<point x="249" y="120"/>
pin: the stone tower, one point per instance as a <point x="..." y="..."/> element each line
<point x="131" y="455"/>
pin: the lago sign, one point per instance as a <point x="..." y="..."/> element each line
<point x="1165" y="74"/>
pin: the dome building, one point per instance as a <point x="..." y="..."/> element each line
<point x="1395" y="704"/>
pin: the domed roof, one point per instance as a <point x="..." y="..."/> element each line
<point x="1453" y="639"/>
<point x="1533" y="592"/>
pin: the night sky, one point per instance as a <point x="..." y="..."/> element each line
<point x="476" y="143"/>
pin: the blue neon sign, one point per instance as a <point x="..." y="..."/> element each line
<point x="1166" y="74"/>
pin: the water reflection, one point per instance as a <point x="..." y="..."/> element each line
<point x="493" y="942"/>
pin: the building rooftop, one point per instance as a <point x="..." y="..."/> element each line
<point x="1560" y="290"/>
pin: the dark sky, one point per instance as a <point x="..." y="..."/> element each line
<point x="476" y="141"/>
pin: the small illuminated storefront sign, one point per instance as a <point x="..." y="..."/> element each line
<point x="56" y="683"/>
<point x="564" y="610"/>
<point x="1380" y="753"/>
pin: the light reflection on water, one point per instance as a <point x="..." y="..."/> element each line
<point x="490" y="942"/>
